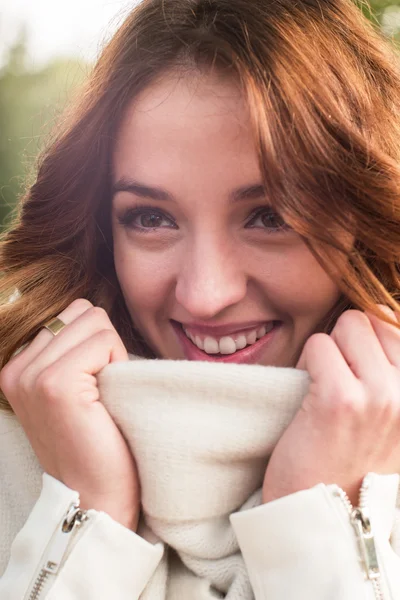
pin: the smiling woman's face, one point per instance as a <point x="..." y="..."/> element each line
<point x="196" y="247"/>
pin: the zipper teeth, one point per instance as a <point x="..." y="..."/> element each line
<point x="345" y="499"/>
<point x="362" y="503"/>
<point x="73" y="520"/>
<point x="39" y="584"/>
<point x="376" y="582"/>
<point x="364" y="492"/>
<point x="378" y="589"/>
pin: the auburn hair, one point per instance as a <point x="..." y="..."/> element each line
<point x="323" y="88"/>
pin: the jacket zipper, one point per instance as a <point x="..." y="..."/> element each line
<point x="59" y="545"/>
<point x="362" y="525"/>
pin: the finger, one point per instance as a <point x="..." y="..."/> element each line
<point x="387" y="334"/>
<point x="85" y="326"/>
<point x="44" y="337"/>
<point x="360" y="347"/>
<point x="88" y="358"/>
<point x="323" y="360"/>
<point x="334" y="390"/>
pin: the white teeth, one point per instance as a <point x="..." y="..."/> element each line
<point x="211" y="346"/>
<point x="251" y="337"/>
<point x="261" y="332"/>
<point x="241" y="342"/>
<point x="199" y="342"/>
<point x="227" y="344"/>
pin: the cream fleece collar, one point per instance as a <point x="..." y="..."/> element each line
<point x="201" y="434"/>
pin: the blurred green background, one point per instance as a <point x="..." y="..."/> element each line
<point x="32" y="98"/>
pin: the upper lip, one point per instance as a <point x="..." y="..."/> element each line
<point x="227" y="329"/>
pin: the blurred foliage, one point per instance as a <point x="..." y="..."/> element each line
<point x="374" y="9"/>
<point x="31" y="100"/>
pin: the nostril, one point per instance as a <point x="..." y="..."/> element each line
<point x="210" y="283"/>
<point x="209" y="302"/>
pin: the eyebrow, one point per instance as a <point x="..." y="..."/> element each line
<point x="250" y="192"/>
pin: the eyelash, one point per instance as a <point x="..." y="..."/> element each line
<point x="128" y="217"/>
<point x="269" y="212"/>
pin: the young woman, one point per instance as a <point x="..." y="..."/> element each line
<point x="227" y="190"/>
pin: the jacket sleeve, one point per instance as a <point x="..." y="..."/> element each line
<point x="307" y="545"/>
<point x="97" y="559"/>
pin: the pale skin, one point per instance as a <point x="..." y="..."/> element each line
<point x="206" y="260"/>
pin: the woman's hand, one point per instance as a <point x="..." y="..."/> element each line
<point x="51" y="386"/>
<point x="349" y="422"/>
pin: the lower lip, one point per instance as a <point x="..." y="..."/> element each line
<point x="251" y="355"/>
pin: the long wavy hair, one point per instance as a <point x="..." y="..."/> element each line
<point x="323" y="87"/>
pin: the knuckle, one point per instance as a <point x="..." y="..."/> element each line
<point x="387" y="401"/>
<point x="81" y="304"/>
<point x="107" y="336"/>
<point x="390" y="411"/>
<point x="347" y="403"/>
<point x="26" y="381"/>
<point x="6" y="379"/>
<point x="351" y="403"/>
<point x="387" y="396"/>
<point x="318" y="344"/>
<point x="48" y="384"/>
<point x="315" y="341"/>
<point x="98" y="313"/>
<point x="319" y="338"/>
<point x="351" y="317"/>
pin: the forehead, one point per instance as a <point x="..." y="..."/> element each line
<point x="185" y="120"/>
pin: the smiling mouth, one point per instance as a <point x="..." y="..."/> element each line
<point x="228" y="345"/>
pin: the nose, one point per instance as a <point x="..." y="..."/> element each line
<point x="211" y="279"/>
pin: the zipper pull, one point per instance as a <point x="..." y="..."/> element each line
<point x="73" y="519"/>
<point x="362" y="526"/>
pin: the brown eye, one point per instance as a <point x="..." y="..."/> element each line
<point x="146" y="219"/>
<point x="272" y="220"/>
<point x="267" y="218"/>
<point x="150" y="220"/>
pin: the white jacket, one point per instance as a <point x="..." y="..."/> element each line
<point x="201" y="434"/>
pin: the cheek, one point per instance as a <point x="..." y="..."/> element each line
<point x="145" y="278"/>
<point x="301" y="287"/>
